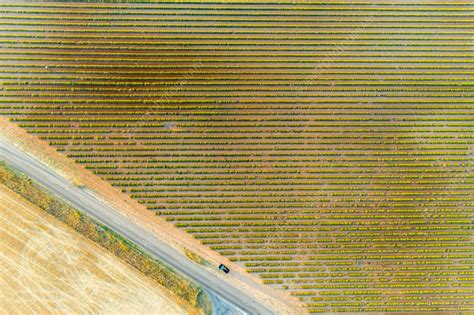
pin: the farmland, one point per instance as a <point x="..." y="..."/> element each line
<point x="43" y="258"/>
<point x="326" y="147"/>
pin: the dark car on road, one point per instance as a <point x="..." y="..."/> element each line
<point x="224" y="268"/>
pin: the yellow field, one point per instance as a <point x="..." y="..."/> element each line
<point x="46" y="267"/>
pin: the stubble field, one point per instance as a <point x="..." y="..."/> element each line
<point x="47" y="268"/>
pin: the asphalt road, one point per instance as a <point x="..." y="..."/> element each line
<point x="88" y="203"/>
